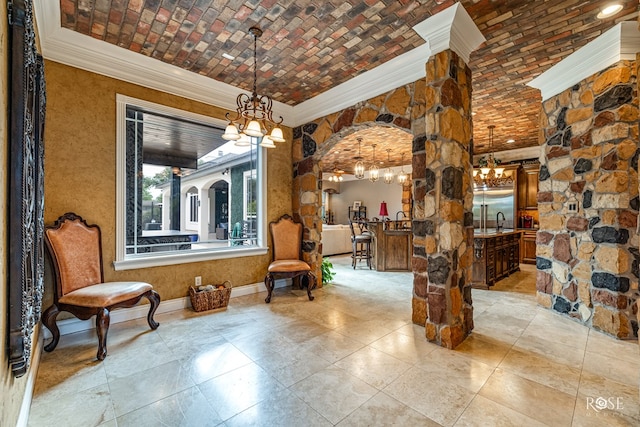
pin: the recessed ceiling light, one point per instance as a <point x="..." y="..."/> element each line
<point x="229" y="57"/>
<point x="510" y="141"/>
<point x="609" y="10"/>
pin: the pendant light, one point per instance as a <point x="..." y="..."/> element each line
<point x="388" y="175"/>
<point x="359" y="167"/>
<point x="374" y="172"/>
<point x="402" y="176"/>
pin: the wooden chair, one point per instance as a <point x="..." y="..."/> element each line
<point x="287" y="256"/>
<point x="76" y="252"/>
<point x="360" y="245"/>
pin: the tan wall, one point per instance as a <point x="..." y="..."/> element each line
<point x="80" y="174"/>
<point x="12" y="390"/>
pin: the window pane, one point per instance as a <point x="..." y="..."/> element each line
<point x="187" y="189"/>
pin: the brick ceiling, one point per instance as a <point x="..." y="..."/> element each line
<point x="310" y="46"/>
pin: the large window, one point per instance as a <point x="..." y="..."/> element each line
<point x="184" y="194"/>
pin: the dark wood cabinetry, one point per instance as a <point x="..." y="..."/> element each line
<point x="528" y="186"/>
<point x="495" y="256"/>
<point x="528" y="247"/>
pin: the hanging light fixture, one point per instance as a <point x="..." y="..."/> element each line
<point x="388" y="175"/>
<point x="491" y="174"/>
<point x="254" y="117"/>
<point x="359" y="167"/>
<point x="402" y="176"/>
<point x="374" y="172"/>
<point x="337" y="174"/>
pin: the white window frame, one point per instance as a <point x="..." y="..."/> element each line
<point x="154" y="259"/>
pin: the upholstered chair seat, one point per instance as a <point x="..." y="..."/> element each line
<point x="76" y="253"/>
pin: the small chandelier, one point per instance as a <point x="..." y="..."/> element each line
<point x="388" y="175"/>
<point x="402" y="176"/>
<point x="254" y="118"/>
<point x="490" y="174"/>
<point x="359" y="168"/>
<point x="374" y="172"/>
<point x="337" y="175"/>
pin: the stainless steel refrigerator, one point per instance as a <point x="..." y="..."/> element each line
<point x="488" y="202"/>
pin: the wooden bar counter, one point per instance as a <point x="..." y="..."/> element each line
<point x="392" y="248"/>
<point x="496" y="255"/>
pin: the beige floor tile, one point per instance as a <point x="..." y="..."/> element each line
<point x="86" y="408"/>
<point x="407" y="348"/>
<point x="281" y="408"/>
<point x="57" y="377"/>
<point x="332" y="346"/>
<point x="233" y="392"/>
<point x="289" y="368"/>
<point x="542" y="370"/>
<point x="622" y="371"/>
<point x="484" y="348"/>
<point x="374" y="367"/>
<point x="605" y="345"/>
<point x="382" y="411"/>
<point x="540" y="402"/>
<point x="600" y="398"/>
<point x="301" y="330"/>
<point x="186" y="408"/>
<point x="468" y="373"/>
<point x="483" y="412"/>
<point x="431" y="394"/>
<point x="134" y="359"/>
<point x="145" y="387"/>
<point x="211" y="359"/>
<point x="365" y="331"/>
<point x="552" y="350"/>
<point x="333" y="393"/>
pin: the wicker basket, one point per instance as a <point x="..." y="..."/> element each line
<point x="209" y="300"/>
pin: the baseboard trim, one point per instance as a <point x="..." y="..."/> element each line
<point x="36" y="351"/>
<point x="73" y="325"/>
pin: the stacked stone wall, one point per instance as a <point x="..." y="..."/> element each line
<point x="587" y="259"/>
<point x="443" y="201"/>
<point x="401" y="108"/>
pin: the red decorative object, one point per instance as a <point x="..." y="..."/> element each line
<point x="383" y="209"/>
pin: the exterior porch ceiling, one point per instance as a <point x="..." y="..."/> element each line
<point x="309" y="47"/>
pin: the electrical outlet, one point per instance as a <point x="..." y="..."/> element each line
<point x="198" y="280"/>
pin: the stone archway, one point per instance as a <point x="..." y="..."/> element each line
<point x="402" y="108"/>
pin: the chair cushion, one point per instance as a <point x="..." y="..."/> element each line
<point x="105" y="294"/>
<point x="288" y="266"/>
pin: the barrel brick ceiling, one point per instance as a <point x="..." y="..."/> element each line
<point x="309" y="47"/>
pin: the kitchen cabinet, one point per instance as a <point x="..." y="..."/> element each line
<point x="528" y="247"/>
<point x="528" y="186"/>
<point x="495" y="256"/>
<point x="393" y="249"/>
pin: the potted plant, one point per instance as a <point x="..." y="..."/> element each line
<point x="327" y="271"/>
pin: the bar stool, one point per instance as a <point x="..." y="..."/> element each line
<point x="361" y="246"/>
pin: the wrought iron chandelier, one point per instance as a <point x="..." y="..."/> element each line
<point x="337" y="174"/>
<point x="358" y="171"/>
<point x="402" y="176"/>
<point x="374" y="172"/>
<point x="491" y="174"/>
<point x="254" y="117"/>
<point x="388" y="175"/>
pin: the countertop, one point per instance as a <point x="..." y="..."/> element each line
<point x="492" y="232"/>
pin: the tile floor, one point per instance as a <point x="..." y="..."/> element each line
<point x="349" y="358"/>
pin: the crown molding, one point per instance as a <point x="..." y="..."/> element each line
<point x="619" y="43"/>
<point x="452" y="29"/>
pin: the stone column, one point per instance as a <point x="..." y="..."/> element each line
<point x="443" y="193"/>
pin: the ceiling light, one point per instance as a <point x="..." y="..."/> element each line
<point x="359" y="167"/>
<point x="388" y="175"/>
<point x="374" y="172"/>
<point x="491" y="175"/>
<point x="253" y="115"/>
<point x="510" y="141"/>
<point x="229" y="57"/>
<point x="402" y="176"/>
<point x="609" y="10"/>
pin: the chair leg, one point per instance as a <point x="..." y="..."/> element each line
<point x="311" y="284"/>
<point x="102" y="328"/>
<point x="268" y="282"/>
<point x="154" y="302"/>
<point x="49" y="321"/>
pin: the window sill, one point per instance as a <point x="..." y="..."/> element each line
<point x="183" y="258"/>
